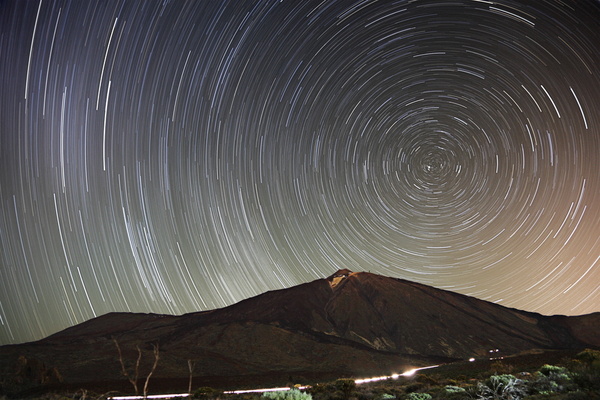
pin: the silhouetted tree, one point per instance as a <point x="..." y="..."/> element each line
<point x="191" y="364"/>
<point x="132" y="376"/>
<point x="156" y="357"/>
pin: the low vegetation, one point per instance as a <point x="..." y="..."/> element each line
<point x="576" y="378"/>
<point x="292" y="394"/>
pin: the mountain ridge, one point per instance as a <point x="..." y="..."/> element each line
<point x="348" y="324"/>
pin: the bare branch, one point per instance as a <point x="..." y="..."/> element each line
<point x="137" y="366"/>
<point x="156" y="357"/>
<point x="191" y="364"/>
<point x="132" y="380"/>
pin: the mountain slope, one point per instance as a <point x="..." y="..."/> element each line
<point x="350" y="324"/>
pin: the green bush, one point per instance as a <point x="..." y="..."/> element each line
<point x="454" y="389"/>
<point x="589" y="356"/>
<point x="419" y="396"/>
<point x="550" y="379"/>
<point x="549" y="370"/>
<point x="586" y="370"/>
<point x="292" y="394"/>
<point x="501" y="387"/>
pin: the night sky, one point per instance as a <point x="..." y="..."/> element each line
<point x="178" y="156"/>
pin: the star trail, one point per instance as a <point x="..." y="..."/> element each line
<point x="178" y="156"/>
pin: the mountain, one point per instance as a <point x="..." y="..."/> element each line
<point x="350" y="324"/>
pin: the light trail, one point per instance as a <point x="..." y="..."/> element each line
<point x="279" y="389"/>
<point x="408" y="373"/>
<point x="153" y="396"/>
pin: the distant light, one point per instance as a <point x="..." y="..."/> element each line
<point x="410" y="372"/>
<point x="471" y="359"/>
<point x="395" y="376"/>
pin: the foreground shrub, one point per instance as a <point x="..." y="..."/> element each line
<point x="501" y="387"/>
<point x="454" y="389"/>
<point x="551" y="378"/>
<point x="419" y="396"/>
<point x="292" y="394"/>
<point x="346" y="387"/>
<point x="589" y="356"/>
<point x="451" y="392"/>
<point x="585" y="370"/>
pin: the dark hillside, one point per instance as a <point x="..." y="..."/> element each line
<point x="350" y="324"/>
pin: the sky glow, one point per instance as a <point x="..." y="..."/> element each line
<point x="177" y="156"/>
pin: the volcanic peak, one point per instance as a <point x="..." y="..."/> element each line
<point x="339" y="276"/>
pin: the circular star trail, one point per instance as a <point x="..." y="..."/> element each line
<point x="177" y="156"/>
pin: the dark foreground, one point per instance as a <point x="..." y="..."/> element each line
<point x="549" y="375"/>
